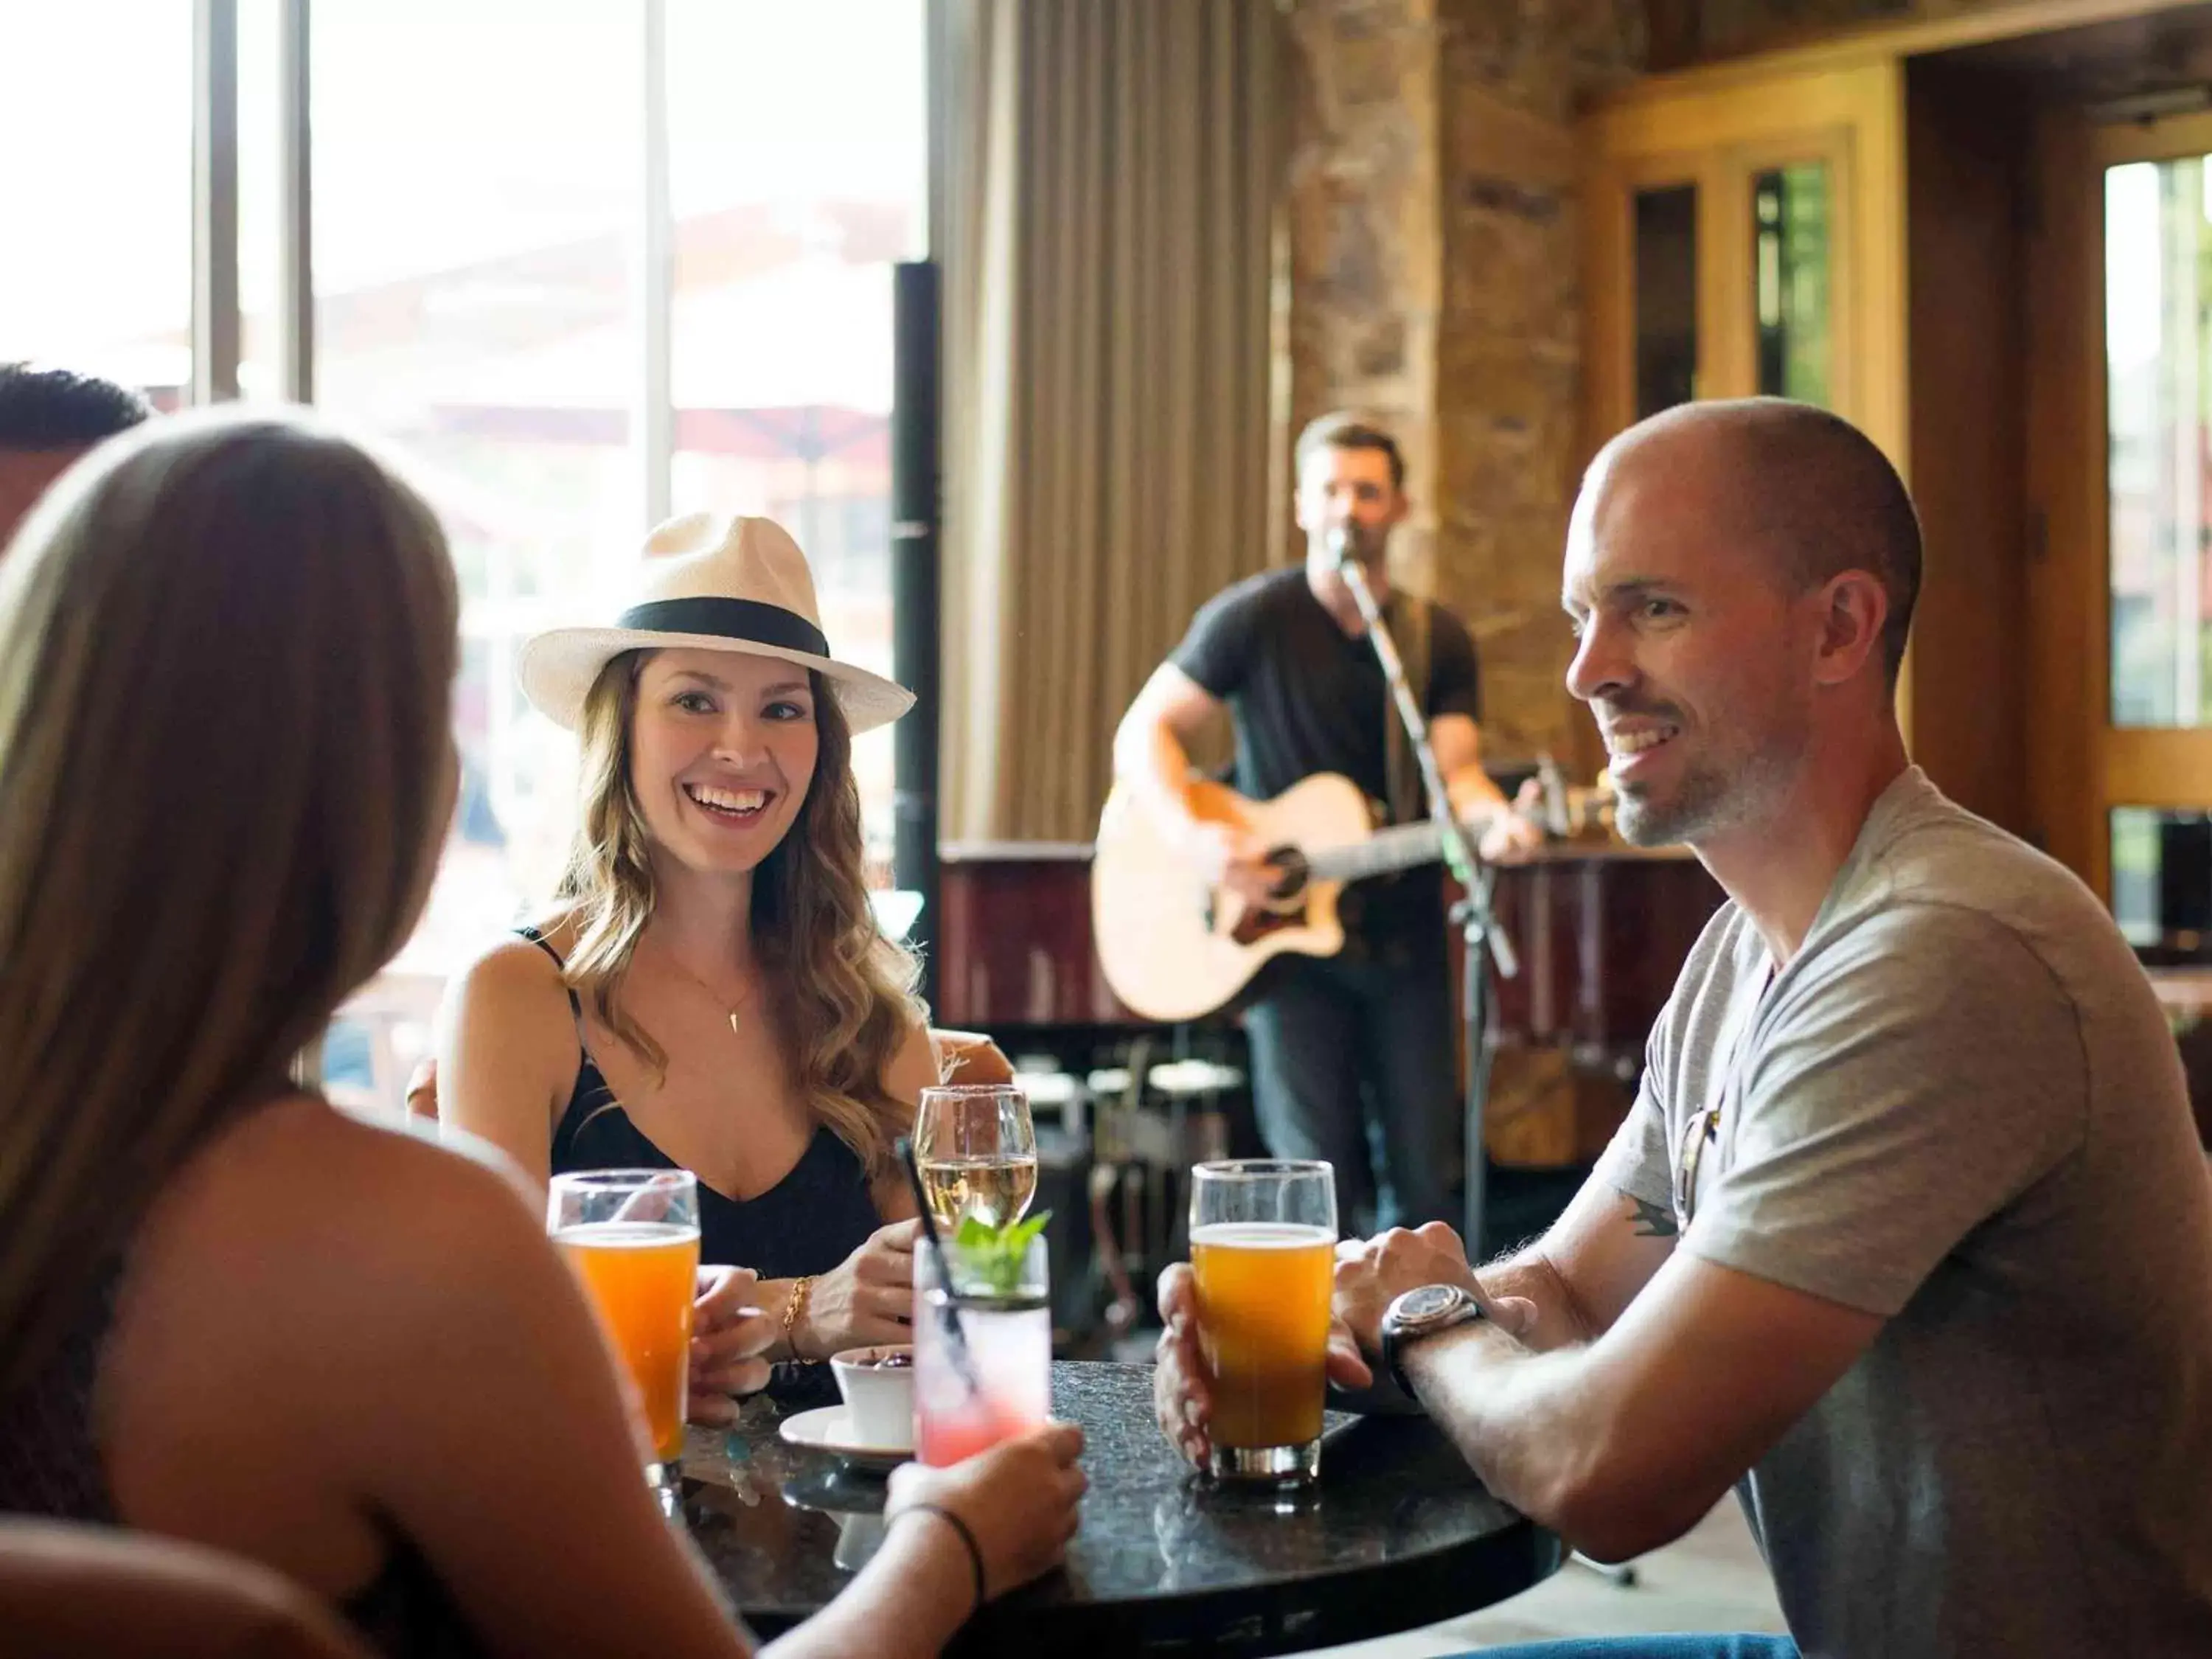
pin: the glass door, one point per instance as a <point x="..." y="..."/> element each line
<point x="2154" y="717"/>
<point x="1746" y="235"/>
<point x="1745" y="238"/>
<point x="1794" y="280"/>
<point x="2119" y="466"/>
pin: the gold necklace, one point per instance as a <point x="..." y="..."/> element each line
<point x="731" y="1010"/>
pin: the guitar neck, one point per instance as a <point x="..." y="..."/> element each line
<point x="1399" y="848"/>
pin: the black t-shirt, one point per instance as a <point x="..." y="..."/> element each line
<point x="1307" y="698"/>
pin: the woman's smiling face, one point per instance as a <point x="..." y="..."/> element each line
<point x="723" y="746"/>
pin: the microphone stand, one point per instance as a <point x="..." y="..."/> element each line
<point x="1477" y="922"/>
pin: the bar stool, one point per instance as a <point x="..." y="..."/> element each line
<point x="1063" y="1095"/>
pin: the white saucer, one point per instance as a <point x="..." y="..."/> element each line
<point x="829" y="1429"/>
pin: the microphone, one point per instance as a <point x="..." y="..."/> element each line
<point x="1343" y="545"/>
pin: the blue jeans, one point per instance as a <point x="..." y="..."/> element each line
<point x="1648" y="1647"/>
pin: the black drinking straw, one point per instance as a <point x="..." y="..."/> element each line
<point x="955" y="1340"/>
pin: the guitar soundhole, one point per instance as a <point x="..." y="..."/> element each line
<point x="1286" y="906"/>
<point x="1256" y="923"/>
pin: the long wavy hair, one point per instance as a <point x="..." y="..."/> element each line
<point x="226" y="653"/>
<point x="842" y="994"/>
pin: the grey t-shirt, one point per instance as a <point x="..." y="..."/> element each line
<point x="1959" y="1107"/>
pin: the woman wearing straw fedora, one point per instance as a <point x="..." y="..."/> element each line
<point x="230" y="1313"/>
<point x="712" y="992"/>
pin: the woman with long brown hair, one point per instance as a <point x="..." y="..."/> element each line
<point x="228" y="1312"/>
<point x="712" y="992"/>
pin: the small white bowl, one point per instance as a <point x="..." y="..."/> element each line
<point x="879" y="1401"/>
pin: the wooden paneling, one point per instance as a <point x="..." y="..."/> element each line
<point x="1850" y="47"/>
<point x="1966" y="142"/>
<point x="1852" y="120"/>
<point x="1720" y="131"/>
<point x="2066" y="447"/>
<point x="1600" y="938"/>
<point x="1692" y="116"/>
<point x="2157" y="768"/>
<point x="1014" y="940"/>
<point x="2155" y="141"/>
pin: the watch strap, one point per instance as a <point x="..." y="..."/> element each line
<point x="1396" y="1337"/>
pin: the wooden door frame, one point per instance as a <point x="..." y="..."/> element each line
<point x="2079" y="766"/>
<point x="1714" y="131"/>
<point x="1610" y="191"/>
<point x="1714" y="138"/>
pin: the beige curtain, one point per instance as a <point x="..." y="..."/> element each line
<point x="1107" y="228"/>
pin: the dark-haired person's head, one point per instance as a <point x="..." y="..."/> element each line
<point x="1351" y="492"/>
<point x="48" y="418"/>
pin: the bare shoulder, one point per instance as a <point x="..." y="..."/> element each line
<point x="507" y="1026"/>
<point x="354" y="1177"/>
<point x="308" y="1245"/>
<point x="512" y="977"/>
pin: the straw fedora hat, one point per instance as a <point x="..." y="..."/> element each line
<point x="709" y="582"/>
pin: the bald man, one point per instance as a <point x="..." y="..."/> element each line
<point x="48" y="418"/>
<point x="1907" y="1237"/>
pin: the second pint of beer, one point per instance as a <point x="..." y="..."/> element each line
<point x="632" y="1237"/>
<point x="1263" y="1291"/>
<point x="641" y="1277"/>
<point x="1263" y="1249"/>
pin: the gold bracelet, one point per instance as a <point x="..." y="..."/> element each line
<point x="792" y="1310"/>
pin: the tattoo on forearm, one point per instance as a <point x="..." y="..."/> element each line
<point x="1651" y="1220"/>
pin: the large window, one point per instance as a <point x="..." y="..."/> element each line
<point x="478" y="180"/>
<point x="96" y="190"/>
<point x="481" y="176"/>
<point x="493" y="188"/>
<point x="798" y="177"/>
<point x="2158" y="288"/>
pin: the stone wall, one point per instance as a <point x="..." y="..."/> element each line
<point x="1509" y="415"/>
<point x="1366" y="247"/>
<point x="1434" y="280"/>
<point x="1435" y="274"/>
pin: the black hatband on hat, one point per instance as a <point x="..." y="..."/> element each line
<point x="751" y="620"/>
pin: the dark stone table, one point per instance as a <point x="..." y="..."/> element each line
<point x="1397" y="1534"/>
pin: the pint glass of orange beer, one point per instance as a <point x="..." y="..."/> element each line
<point x="632" y="1237"/>
<point x="1263" y="1241"/>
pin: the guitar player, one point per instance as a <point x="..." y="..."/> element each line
<point x="1351" y="1055"/>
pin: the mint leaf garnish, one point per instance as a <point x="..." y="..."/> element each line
<point x="974" y="1234"/>
<point x="993" y="1256"/>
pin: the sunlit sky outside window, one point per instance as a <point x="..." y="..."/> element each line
<point x="2158" y="286"/>
<point x="771" y="104"/>
<point x="96" y="189"/>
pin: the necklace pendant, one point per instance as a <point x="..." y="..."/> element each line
<point x="735" y="1029"/>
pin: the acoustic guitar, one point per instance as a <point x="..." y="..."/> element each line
<point x="1175" y="946"/>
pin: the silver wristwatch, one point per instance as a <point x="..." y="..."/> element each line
<point x="1422" y="1311"/>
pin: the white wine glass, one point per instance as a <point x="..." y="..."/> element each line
<point x="976" y="1148"/>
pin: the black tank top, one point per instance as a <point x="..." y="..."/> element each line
<point x="807" y="1222"/>
<point x="51" y="1465"/>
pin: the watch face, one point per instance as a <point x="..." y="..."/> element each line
<point x="1427" y="1302"/>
